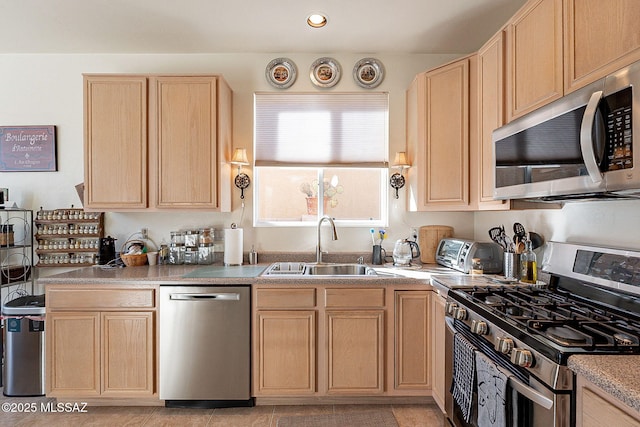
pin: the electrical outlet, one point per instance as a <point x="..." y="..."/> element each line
<point x="145" y="233"/>
<point x="414" y="234"/>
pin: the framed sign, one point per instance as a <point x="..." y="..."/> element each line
<point x="28" y="149"/>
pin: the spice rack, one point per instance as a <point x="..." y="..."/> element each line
<point x="68" y="237"/>
<point x="16" y="247"/>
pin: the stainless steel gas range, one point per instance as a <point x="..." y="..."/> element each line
<point x="521" y="336"/>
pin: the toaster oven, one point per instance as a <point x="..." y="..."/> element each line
<point x="459" y="254"/>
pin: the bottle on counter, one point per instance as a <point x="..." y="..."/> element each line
<point x="476" y="266"/>
<point x="528" y="264"/>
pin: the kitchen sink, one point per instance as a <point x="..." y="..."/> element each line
<point x="338" y="270"/>
<point x="311" y="269"/>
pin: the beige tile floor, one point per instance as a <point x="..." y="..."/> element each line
<point x="14" y="413"/>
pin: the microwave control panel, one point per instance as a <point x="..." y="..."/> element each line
<point x="617" y="112"/>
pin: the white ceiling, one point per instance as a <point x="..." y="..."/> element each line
<point x="254" y="26"/>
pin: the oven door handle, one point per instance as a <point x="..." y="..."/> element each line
<point x="526" y="391"/>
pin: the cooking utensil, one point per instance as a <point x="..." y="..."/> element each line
<point x="520" y="233"/>
<point x="495" y="234"/>
<point x="536" y="240"/>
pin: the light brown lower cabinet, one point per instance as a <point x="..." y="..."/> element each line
<point x="412" y="347"/>
<point x="597" y="408"/>
<point x="334" y="342"/>
<point x="286" y="352"/>
<point x="438" y="352"/>
<point x="355" y="352"/>
<point x="94" y="351"/>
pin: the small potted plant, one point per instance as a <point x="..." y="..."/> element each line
<point x="331" y="190"/>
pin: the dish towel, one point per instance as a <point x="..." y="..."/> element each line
<point x="464" y="368"/>
<point x="492" y="393"/>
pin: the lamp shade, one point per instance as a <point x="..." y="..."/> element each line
<point x="401" y="160"/>
<point x="239" y="157"/>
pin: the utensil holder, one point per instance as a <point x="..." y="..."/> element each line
<point x="511" y="265"/>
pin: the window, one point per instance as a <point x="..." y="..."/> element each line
<point x="320" y="154"/>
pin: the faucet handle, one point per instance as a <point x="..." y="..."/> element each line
<point x="360" y="260"/>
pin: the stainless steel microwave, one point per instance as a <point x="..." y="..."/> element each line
<point x="579" y="147"/>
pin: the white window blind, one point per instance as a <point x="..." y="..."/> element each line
<point x="321" y="129"/>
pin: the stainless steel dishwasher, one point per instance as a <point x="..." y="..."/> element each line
<point x="205" y="346"/>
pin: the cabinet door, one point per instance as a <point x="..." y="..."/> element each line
<point x="115" y="142"/>
<point x="438" y="345"/>
<point x="534" y="41"/>
<point x="355" y="346"/>
<point x="185" y="154"/>
<point x="412" y="349"/>
<point x="600" y="37"/>
<point x="128" y="354"/>
<point x="438" y="138"/>
<point x="285" y="353"/>
<point x="490" y="111"/>
<point x="73" y="354"/>
<point x="447" y="154"/>
<point x="596" y="408"/>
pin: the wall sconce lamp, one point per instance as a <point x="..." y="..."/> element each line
<point x="242" y="180"/>
<point x="397" y="179"/>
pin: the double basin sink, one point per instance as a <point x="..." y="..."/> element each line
<point x="313" y="269"/>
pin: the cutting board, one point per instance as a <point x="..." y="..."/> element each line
<point x="428" y="238"/>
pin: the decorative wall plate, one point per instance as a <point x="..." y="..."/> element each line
<point x="368" y="72"/>
<point x="281" y="73"/>
<point x="325" y="72"/>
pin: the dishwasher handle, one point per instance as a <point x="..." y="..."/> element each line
<point x="203" y="296"/>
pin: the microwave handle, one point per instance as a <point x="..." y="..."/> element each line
<point x="586" y="138"/>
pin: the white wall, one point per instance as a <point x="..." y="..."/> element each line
<point x="47" y="90"/>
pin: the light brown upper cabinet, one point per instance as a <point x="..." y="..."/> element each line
<point x="438" y="138"/>
<point x="600" y="37"/>
<point x="490" y="115"/>
<point x="534" y="57"/>
<point x="157" y="142"/>
<point x="115" y="142"/>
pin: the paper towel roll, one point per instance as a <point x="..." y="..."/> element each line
<point x="233" y="246"/>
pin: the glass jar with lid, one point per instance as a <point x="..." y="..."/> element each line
<point x="191" y="238"/>
<point x="205" y="246"/>
<point x="177" y="238"/>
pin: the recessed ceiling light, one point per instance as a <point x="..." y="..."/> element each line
<point x="317" y="20"/>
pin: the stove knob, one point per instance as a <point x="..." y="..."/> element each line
<point x="449" y="307"/>
<point x="504" y="345"/>
<point x="522" y="358"/>
<point x="460" y="313"/>
<point x="479" y="327"/>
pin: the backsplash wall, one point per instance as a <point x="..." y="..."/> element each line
<point x="47" y="90"/>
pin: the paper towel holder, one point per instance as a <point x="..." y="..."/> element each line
<point x="241" y="180"/>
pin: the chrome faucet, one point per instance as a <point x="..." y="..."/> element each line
<point x="334" y="237"/>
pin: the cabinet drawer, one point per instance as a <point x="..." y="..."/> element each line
<point x="286" y="298"/>
<point x="70" y="299"/>
<point x="339" y="298"/>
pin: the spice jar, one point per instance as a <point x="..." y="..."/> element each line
<point x="6" y="235"/>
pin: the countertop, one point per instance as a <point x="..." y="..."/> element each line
<point x="616" y="375"/>
<point x="218" y="274"/>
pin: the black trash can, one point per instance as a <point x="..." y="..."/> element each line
<point x="24" y="346"/>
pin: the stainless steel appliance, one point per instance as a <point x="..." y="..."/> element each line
<point x="591" y="306"/>
<point x="459" y="254"/>
<point x="578" y="147"/>
<point x="205" y="348"/>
